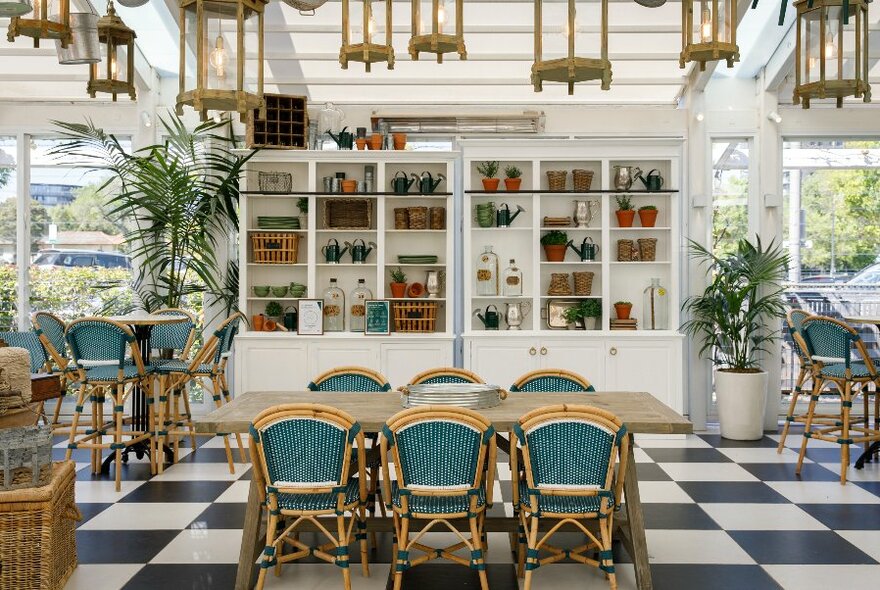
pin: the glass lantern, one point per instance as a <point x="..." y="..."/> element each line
<point x="437" y="27"/>
<point x="831" y="55"/>
<point x="368" y="22"/>
<point x="220" y="33"/>
<point x="50" y="19"/>
<point x="570" y="68"/>
<point x="708" y="32"/>
<point x="10" y="8"/>
<point x="115" y="73"/>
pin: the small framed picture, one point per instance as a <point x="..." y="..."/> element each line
<point x="377" y="316"/>
<point x="311" y="317"/>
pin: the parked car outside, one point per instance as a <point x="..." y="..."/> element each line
<point x="870" y="275"/>
<point x="72" y="258"/>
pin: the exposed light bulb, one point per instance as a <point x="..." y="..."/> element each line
<point x="775" y="117"/>
<point x="830" y="47"/>
<point x="219" y="58"/>
<point x="441" y="16"/>
<point x="371" y="29"/>
<point x="706" y="25"/>
<point x="113" y="67"/>
<point x="565" y="28"/>
<point x="700" y="117"/>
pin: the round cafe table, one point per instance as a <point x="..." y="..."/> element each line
<point x="141" y="323"/>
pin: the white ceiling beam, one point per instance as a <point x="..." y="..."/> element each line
<point x="781" y="63"/>
<point x="431" y="81"/>
<point x="697" y="80"/>
<point x="472" y="57"/>
<point x="481" y="29"/>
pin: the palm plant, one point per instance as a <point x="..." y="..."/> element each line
<point x="735" y="316"/>
<point x="180" y="200"/>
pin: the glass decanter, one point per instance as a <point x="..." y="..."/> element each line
<point x="487" y="273"/>
<point x="357" y="308"/>
<point x="512" y="280"/>
<point x="334" y="308"/>
<point x="656" y="307"/>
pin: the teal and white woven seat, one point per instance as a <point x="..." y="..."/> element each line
<point x="111" y="374"/>
<point x="551" y="380"/>
<point x="302" y="461"/>
<point x="568" y="476"/>
<point x="445" y="375"/>
<point x="350" y="379"/>
<point x="169" y="366"/>
<point x="30" y="341"/>
<point x="439" y="457"/>
<point x="51" y="329"/>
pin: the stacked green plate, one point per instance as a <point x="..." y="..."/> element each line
<point x="415" y="259"/>
<point x="277" y="222"/>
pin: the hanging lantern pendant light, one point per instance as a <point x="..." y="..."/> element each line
<point x="115" y="75"/>
<point x="366" y="51"/>
<point x="714" y="36"/>
<point x="439" y="40"/>
<point x="50" y="20"/>
<point x="10" y="8"/>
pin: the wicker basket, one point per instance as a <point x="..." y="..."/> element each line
<point x="348" y="213"/>
<point x="624" y="250"/>
<point x="37" y="533"/>
<point x="275" y="182"/>
<point x="582" y="179"/>
<point x="25" y="457"/>
<point x="401" y="218"/>
<point x="415" y="316"/>
<point x="275" y="248"/>
<point x="583" y="282"/>
<point x="559" y="284"/>
<point x="648" y="249"/>
<point x="556" y="179"/>
<point x="418" y="217"/>
<point x="437" y="216"/>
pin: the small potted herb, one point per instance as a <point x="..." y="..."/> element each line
<point x="398" y="283"/>
<point x="513" y="178"/>
<point x="625" y="212"/>
<point x="488" y="170"/>
<point x="555" y="243"/>
<point x="303" y="205"/>
<point x="274" y="315"/>
<point x="584" y="314"/>
<point x="622" y="309"/>
<point x="648" y="215"/>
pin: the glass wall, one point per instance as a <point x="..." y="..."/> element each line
<point x="730" y="193"/>
<point x="8" y="269"/>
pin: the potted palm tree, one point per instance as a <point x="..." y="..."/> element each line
<point x="735" y="319"/>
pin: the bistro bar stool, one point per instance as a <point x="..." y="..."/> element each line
<point x="830" y="344"/>
<point x="551" y="380"/>
<point x="208" y="366"/>
<point x="99" y="349"/>
<point x="438" y="482"/>
<point x="301" y="457"/>
<point x="445" y="375"/>
<point x="569" y="454"/>
<point x="40" y="362"/>
<point x="50" y="329"/>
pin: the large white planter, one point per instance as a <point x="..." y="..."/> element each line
<point x="741" y="398"/>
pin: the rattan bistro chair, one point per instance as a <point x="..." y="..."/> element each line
<point x="438" y="482"/>
<point x="831" y="343"/>
<point x="568" y="477"/>
<point x="30" y="341"/>
<point x="553" y="380"/>
<point x="50" y="328"/>
<point x="350" y="379"/>
<point x="301" y="455"/>
<point x="99" y="347"/>
<point x="445" y="375"/>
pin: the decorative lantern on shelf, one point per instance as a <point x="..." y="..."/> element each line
<point x="367" y="51"/>
<point x="10" y="8"/>
<point x="713" y="36"/>
<point x="50" y="20"/>
<point x="220" y="32"/>
<point x="115" y="73"/>
<point x="831" y="54"/>
<point x="84" y="46"/>
<point x="570" y="69"/>
<point x="445" y="37"/>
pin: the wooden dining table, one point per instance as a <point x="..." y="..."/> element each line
<point x="641" y="412"/>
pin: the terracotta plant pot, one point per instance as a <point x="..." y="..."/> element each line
<point x="349" y="186"/>
<point x="270" y="325"/>
<point x="623" y="311"/>
<point x="399" y="141"/>
<point x="555" y="252"/>
<point x="648" y="217"/>
<point x="625" y="217"/>
<point x="415" y="290"/>
<point x="375" y="141"/>
<point x="512" y="184"/>
<point x="398" y="290"/>
<point x="257" y="322"/>
<point x="491" y="184"/>
<point x="361" y="143"/>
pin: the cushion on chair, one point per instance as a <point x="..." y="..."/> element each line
<point x="437" y="504"/>
<point x="167" y="366"/>
<point x="560" y="504"/>
<point x="301" y="502"/>
<point x="839" y="370"/>
<point x="110" y="373"/>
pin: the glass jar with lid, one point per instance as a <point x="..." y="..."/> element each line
<point x="357" y="306"/>
<point x="656" y="307"/>
<point x="334" y="308"/>
<point x="487" y="273"/>
<point x="512" y="280"/>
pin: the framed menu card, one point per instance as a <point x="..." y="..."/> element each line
<point x="311" y="317"/>
<point x="377" y="316"/>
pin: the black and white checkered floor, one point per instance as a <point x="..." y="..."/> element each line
<point x="720" y="515"/>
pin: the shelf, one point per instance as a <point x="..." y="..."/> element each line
<point x="573" y="263"/>
<point x="418" y="299"/>
<point x="415" y="231"/>
<point x="658" y="228"/>
<point x="477" y="228"/>
<point x="489" y="297"/>
<point x="571" y="297"/>
<point x="567" y="229"/>
<point x="275" y="298"/>
<point x="639" y="262"/>
<point x="347" y="231"/>
<point x="437" y="264"/>
<point x="573" y="192"/>
<point x="346" y="264"/>
<point x="326" y="194"/>
<point x="278" y="231"/>
<point x="350" y="335"/>
<point x="273" y="264"/>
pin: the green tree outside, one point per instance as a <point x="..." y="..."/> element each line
<point x="87" y="212"/>
<point x="39" y="223"/>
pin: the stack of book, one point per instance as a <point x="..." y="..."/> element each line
<point x="629" y="324"/>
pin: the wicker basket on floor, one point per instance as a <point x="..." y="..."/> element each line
<point x="624" y="250"/>
<point x="415" y="316"/>
<point x="275" y="248"/>
<point x="581" y="179"/>
<point x="648" y="249"/>
<point x="583" y="282"/>
<point x="556" y="179"/>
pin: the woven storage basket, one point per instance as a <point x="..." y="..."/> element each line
<point x="418" y="217"/>
<point x="401" y="218"/>
<point x="648" y="249"/>
<point x="556" y="179"/>
<point x="583" y="282"/>
<point x="437" y="216"/>
<point x="348" y="213"/>
<point x="37" y="533"/>
<point x="25" y="457"/>
<point x="415" y="316"/>
<point x="559" y="284"/>
<point x="582" y="179"/>
<point x="275" y="182"/>
<point x="624" y="250"/>
<point x="272" y="248"/>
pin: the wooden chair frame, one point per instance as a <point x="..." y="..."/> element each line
<point x="560" y="373"/>
<point x="60" y="361"/>
<point x="363" y="371"/>
<point x="470" y="376"/>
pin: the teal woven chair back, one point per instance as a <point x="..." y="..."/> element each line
<point x="446" y="379"/>
<point x="304" y="450"/>
<point x="225" y="336"/>
<point x="53" y="329"/>
<point x="438" y="453"/>
<point x="94" y="340"/>
<point x="795" y="325"/>
<point x="573" y="452"/>
<point x="828" y="339"/>
<point x="172" y="336"/>
<point x="551" y="383"/>
<point x="350" y="382"/>
<point x="31" y="342"/>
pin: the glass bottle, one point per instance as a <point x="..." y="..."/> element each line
<point x="512" y="280"/>
<point x="334" y="308"/>
<point x="487" y="273"/>
<point x="656" y="307"/>
<point x="357" y="307"/>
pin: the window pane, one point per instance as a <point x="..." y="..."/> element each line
<point x="730" y="194"/>
<point x="8" y="270"/>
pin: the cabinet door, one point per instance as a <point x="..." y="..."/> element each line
<point x="271" y="366"/>
<point x="585" y="357"/>
<point x="649" y="366"/>
<point x="331" y="353"/>
<point x="400" y="362"/>
<point x="502" y="360"/>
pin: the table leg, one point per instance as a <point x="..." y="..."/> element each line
<point x="633" y="528"/>
<point x="250" y="539"/>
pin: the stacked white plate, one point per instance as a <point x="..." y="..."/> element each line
<point x="465" y="395"/>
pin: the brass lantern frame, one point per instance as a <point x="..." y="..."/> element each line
<point x="840" y="88"/>
<point x="571" y="69"/>
<point x="113" y="33"/>
<point x="435" y="41"/>
<point x="712" y="50"/>
<point x="204" y="99"/>
<point x="366" y="52"/>
<point x="39" y="26"/>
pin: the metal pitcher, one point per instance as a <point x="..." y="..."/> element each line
<point x="515" y="313"/>
<point x="400" y="183"/>
<point x="585" y="211"/>
<point x="359" y="252"/>
<point x="587" y="250"/>
<point x="503" y="218"/>
<point x="490" y="319"/>
<point x="624" y="176"/>
<point x="332" y="253"/>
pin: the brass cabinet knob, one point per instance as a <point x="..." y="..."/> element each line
<point x="612" y="351"/>
<point x="543" y="350"/>
<point x="533" y="351"/>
